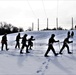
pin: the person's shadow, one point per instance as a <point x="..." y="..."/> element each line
<point x="21" y="59"/>
<point x="60" y="65"/>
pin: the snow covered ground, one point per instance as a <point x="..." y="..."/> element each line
<point x="34" y="63"/>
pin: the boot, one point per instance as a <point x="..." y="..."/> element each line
<point x="56" y="54"/>
<point x="7" y="49"/>
<point x="27" y="52"/>
<point x="21" y="52"/>
<point x="69" y="52"/>
<point x="46" y="56"/>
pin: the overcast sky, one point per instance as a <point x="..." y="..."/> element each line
<point x="22" y="13"/>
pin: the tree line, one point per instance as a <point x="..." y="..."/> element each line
<point x="9" y="28"/>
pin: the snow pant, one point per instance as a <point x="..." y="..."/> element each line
<point x="17" y="44"/>
<point x="64" y="45"/>
<point x="24" y="45"/>
<point x="50" y="47"/>
<point x="3" y="46"/>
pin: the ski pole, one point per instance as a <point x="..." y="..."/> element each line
<point x="59" y="45"/>
<point x="72" y="46"/>
<point x="72" y="35"/>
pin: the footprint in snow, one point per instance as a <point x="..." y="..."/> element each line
<point x="46" y="67"/>
<point x="43" y="62"/>
<point x="38" y="71"/>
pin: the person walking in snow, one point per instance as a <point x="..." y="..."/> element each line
<point x="50" y="45"/>
<point x="17" y="41"/>
<point x="72" y="34"/>
<point x="30" y="43"/>
<point x="65" y="44"/>
<point x="4" y="42"/>
<point x="24" y="40"/>
<point x="68" y="34"/>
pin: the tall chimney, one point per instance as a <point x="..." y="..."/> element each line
<point x="32" y="26"/>
<point x="57" y="22"/>
<point x="72" y="23"/>
<point x="47" y="23"/>
<point x="38" y="24"/>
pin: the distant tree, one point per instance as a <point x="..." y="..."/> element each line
<point x="21" y="30"/>
<point x="60" y="28"/>
<point x="54" y="29"/>
<point x="15" y="29"/>
<point x="29" y="29"/>
<point x="8" y="28"/>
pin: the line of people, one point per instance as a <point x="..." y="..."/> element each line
<point x="30" y="43"/>
<point x="65" y="44"/>
<point x="24" y="42"/>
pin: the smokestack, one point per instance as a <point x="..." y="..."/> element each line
<point x="47" y="23"/>
<point x="32" y="26"/>
<point x="72" y="23"/>
<point x="57" y="22"/>
<point x="38" y="24"/>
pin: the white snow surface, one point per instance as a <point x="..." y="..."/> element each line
<point x="34" y="63"/>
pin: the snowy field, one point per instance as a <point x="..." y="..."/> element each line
<point x="34" y="63"/>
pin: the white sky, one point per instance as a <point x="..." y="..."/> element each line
<point x="22" y="13"/>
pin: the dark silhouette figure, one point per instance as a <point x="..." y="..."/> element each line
<point x="50" y="46"/>
<point x="72" y="34"/>
<point x="30" y="43"/>
<point x="65" y="44"/>
<point x="68" y="34"/>
<point x="4" y="41"/>
<point x="17" y="41"/>
<point x="24" y="40"/>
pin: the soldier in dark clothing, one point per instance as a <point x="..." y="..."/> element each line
<point x="17" y="41"/>
<point x="4" y="41"/>
<point x="24" y="40"/>
<point x="65" y="44"/>
<point x="50" y="46"/>
<point x="30" y="43"/>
